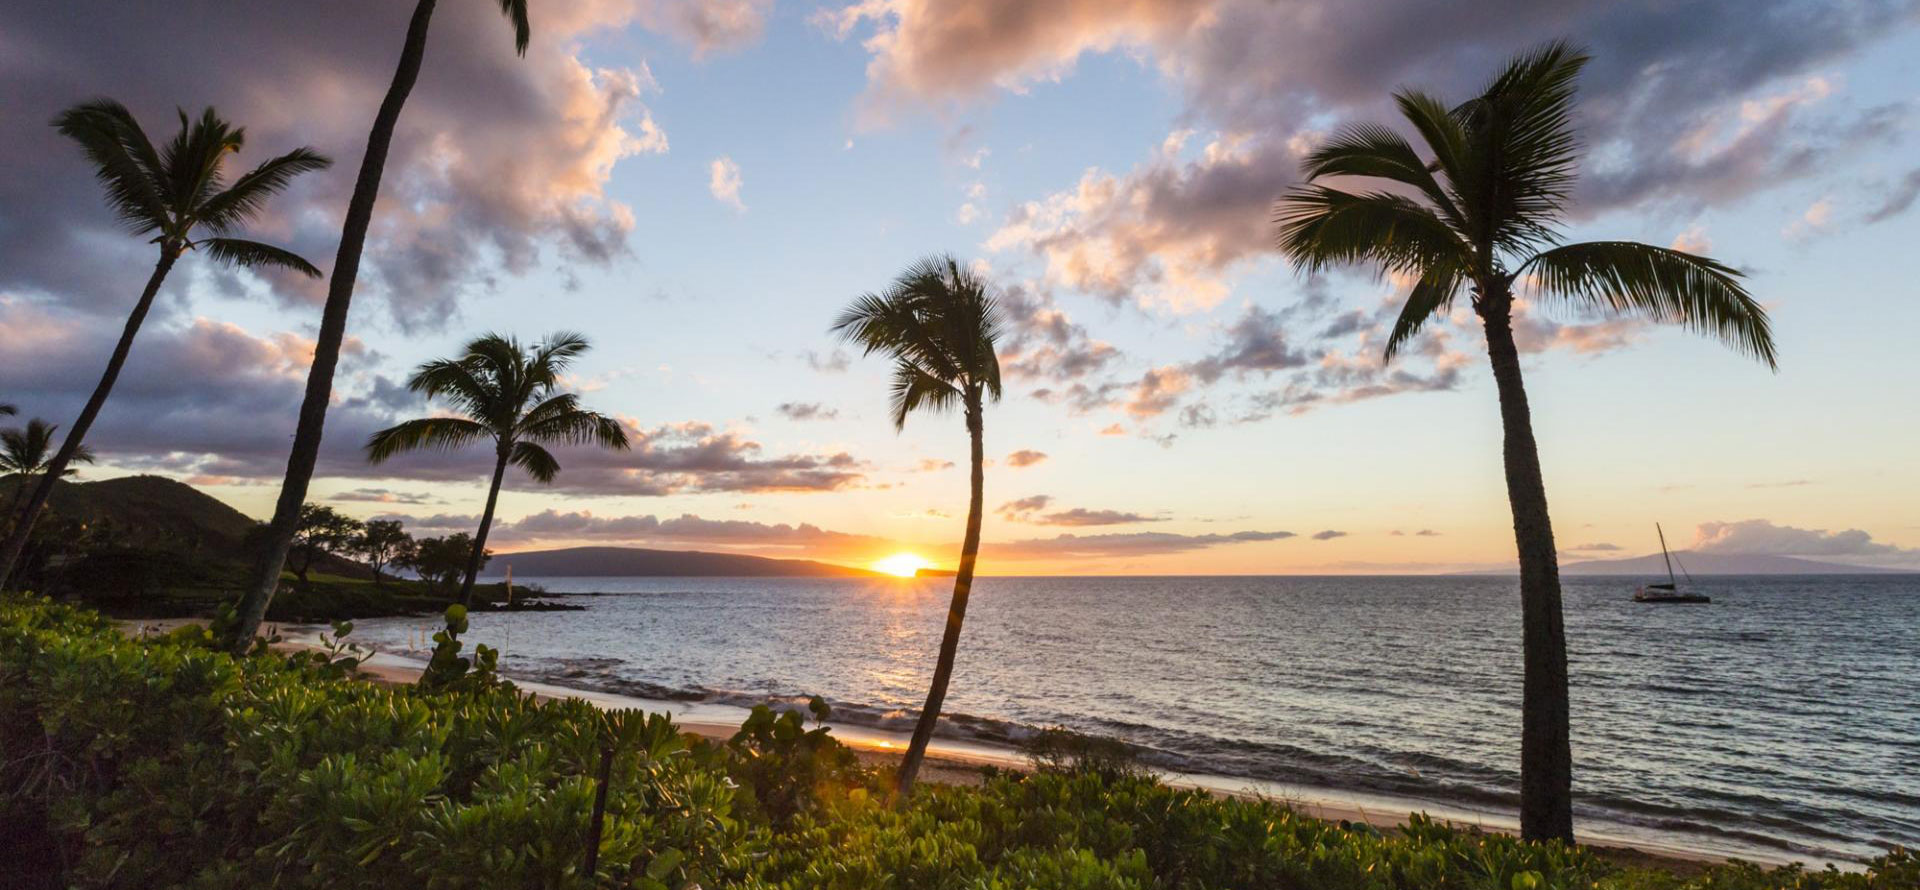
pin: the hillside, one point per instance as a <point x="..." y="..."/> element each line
<point x="611" y="562"/>
<point x="150" y="511"/>
<point x="1651" y="565"/>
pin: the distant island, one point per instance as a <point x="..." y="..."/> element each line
<point x="1697" y="563"/>
<point x="617" y="562"/>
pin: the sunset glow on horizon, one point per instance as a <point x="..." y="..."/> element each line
<point x="901" y="565"/>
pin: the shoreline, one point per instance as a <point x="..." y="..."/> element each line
<point x="959" y="762"/>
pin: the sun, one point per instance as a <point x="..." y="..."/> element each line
<point x="902" y="565"/>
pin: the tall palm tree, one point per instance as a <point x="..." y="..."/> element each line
<point x="1479" y="211"/>
<point x="180" y="197"/>
<point x="28" y="452"/>
<point x="333" y="320"/>
<point x="507" y="395"/>
<point x="939" y="323"/>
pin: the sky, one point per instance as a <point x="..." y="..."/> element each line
<point x="700" y="187"/>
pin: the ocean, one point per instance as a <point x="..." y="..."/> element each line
<point x="1782" y="721"/>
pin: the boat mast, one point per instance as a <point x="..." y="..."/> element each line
<point x="1664" y="554"/>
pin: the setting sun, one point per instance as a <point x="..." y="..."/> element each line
<point x="904" y="565"/>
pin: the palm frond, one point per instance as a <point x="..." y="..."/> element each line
<point x="248" y="195"/>
<point x="123" y="161"/>
<point x="253" y="254"/>
<point x="516" y="11"/>
<point x="1321" y="227"/>
<point x="560" y="419"/>
<point x="460" y="382"/>
<point x="1432" y="295"/>
<point x="1373" y="150"/>
<point x="425" y="434"/>
<point x="1522" y="140"/>
<point x="1666" y="285"/>
<point x="913" y="389"/>
<point x="537" y="461"/>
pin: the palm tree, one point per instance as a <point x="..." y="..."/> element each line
<point x="27" y="452"/>
<point x="507" y="394"/>
<point x="333" y="320"/>
<point x="1479" y="211"/>
<point x="173" y="195"/>
<point x="939" y="323"/>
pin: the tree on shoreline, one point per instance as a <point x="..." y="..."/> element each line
<point x="322" y="530"/>
<point x="173" y="194"/>
<point x="507" y="394"/>
<point x="940" y="324"/>
<point x="1480" y="213"/>
<point x="258" y="593"/>
<point x="383" y="542"/>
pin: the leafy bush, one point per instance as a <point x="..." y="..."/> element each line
<point x="163" y="763"/>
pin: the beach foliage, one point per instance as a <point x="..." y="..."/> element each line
<point x="162" y="761"/>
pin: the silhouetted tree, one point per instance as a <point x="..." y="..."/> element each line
<point x="322" y="530"/>
<point x="333" y="318"/>
<point x="29" y="453"/>
<point x="382" y="542"/>
<point x="1479" y="211"/>
<point x="172" y="195"/>
<point x="939" y="323"/>
<point x="507" y="395"/>
<point x="442" y="562"/>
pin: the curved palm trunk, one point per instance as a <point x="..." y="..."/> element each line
<point x="1546" y="757"/>
<point x="956" y="612"/>
<point x="23" y="524"/>
<point x="486" y="522"/>
<point x="333" y="328"/>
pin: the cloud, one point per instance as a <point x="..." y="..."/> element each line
<point x="932" y="465"/>
<point x="1028" y="510"/>
<point x="723" y="180"/>
<point x="382" y="496"/>
<point x="708" y="26"/>
<point x="1900" y="197"/>
<point x="1328" y="535"/>
<point x="1158" y="390"/>
<point x="498" y="161"/>
<point x="210" y="398"/>
<point x="1046" y="344"/>
<point x="806" y="411"/>
<point x="1595" y="548"/>
<point x="1070" y="546"/>
<point x="1761" y="536"/>
<point x="833" y="362"/>
<point x="1812" y="221"/>
<point x="1025" y="457"/>
<point x="1256" y="342"/>
<point x="1685" y="106"/>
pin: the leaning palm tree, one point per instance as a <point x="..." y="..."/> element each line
<point x="1479" y="211"/>
<point x="939" y="323"/>
<point x="29" y="452"/>
<point x="507" y="395"/>
<point x="333" y="320"/>
<point x="179" y="196"/>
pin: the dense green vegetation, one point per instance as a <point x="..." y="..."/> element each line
<point x="165" y="763"/>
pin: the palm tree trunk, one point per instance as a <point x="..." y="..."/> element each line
<point x="333" y="329"/>
<point x="956" y="612"/>
<point x="486" y="522"/>
<point x="1546" y="757"/>
<point x="23" y="524"/>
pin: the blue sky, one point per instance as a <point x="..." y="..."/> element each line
<point x="1114" y="162"/>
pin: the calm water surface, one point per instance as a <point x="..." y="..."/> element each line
<point x="1785" y="716"/>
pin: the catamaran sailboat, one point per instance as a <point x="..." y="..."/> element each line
<point x="1669" y="592"/>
